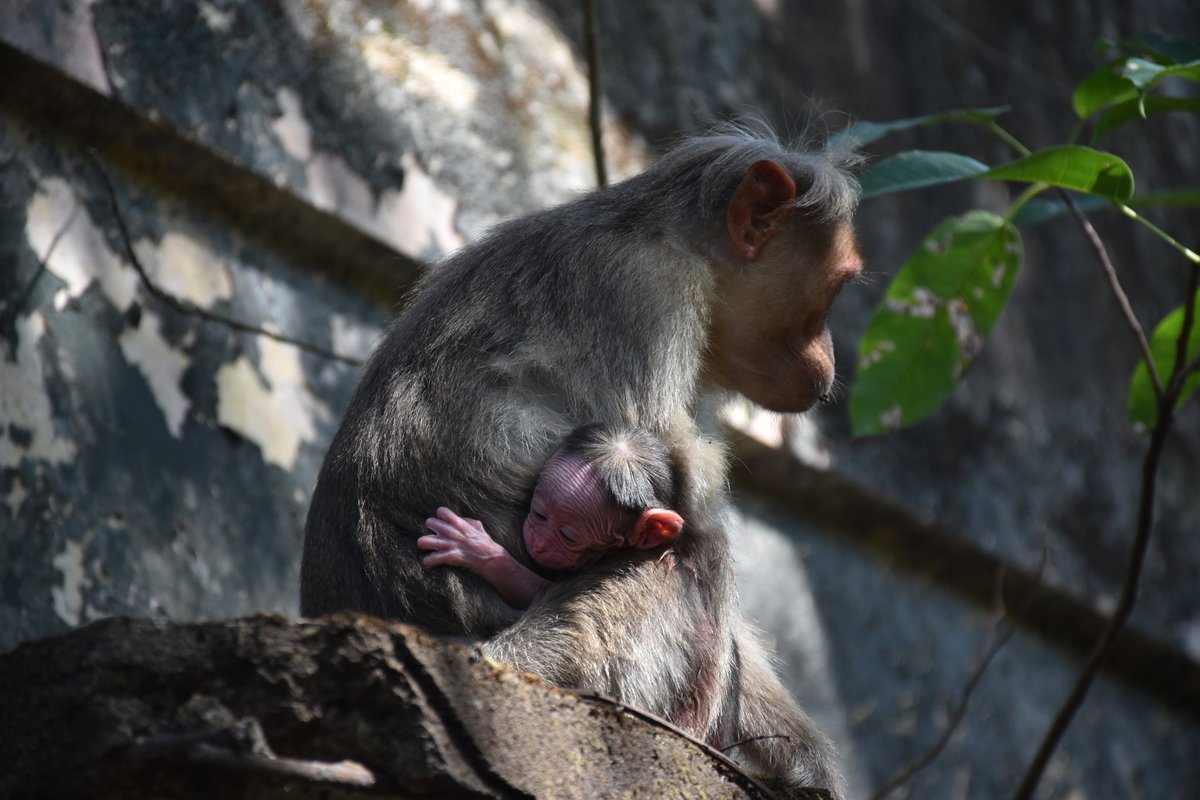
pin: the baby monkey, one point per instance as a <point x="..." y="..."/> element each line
<point x="606" y="488"/>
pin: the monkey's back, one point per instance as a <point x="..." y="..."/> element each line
<point x="495" y="357"/>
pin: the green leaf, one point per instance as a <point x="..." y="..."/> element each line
<point x="1103" y="88"/>
<point x="1145" y="75"/>
<point x="1127" y="111"/>
<point x="934" y="318"/>
<point x="866" y="132"/>
<point x="1131" y="78"/>
<point x="1080" y="169"/>
<point x="915" y="169"/>
<point x="1140" y="72"/>
<point x="1143" y="408"/>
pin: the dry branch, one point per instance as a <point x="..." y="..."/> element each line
<point x="346" y="706"/>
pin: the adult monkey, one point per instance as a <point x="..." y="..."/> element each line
<point x="719" y="262"/>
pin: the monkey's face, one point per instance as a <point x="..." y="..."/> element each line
<point x="767" y="338"/>
<point x="572" y="520"/>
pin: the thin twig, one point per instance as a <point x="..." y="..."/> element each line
<point x="344" y="773"/>
<point x="1181" y="370"/>
<point x="1129" y="589"/>
<point x="1114" y="283"/>
<point x="43" y="261"/>
<point x="1166" y="397"/>
<point x="1184" y="369"/>
<point x="1098" y="245"/>
<point x="724" y="761"/>
<point x="191" y="309"/>
<point x="992" y="647"/>
<point x="591" y="37"/>
<point x="1101" y="253"/>
<point x="220" y="748"/>
<point x="736" y="745"/>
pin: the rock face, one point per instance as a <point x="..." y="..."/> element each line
<point x="289" y="165"/>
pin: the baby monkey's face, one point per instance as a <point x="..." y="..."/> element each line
<point x="572" y="518"/>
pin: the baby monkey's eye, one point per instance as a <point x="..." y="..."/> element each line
<point x="568" y="534"/>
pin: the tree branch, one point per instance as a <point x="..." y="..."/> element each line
<point x="1114" y="283"/>
<point x="738" y="744"/>
<point x="1128" y="597"/>
<point x="595" y="94"/>
<point x="219" y="748"/>
<point x="1182" y="369"/>
<point x="272" y="708"/>
<point x="23" y="297"/>
<point x="1167" y="397"/>
<point x="191" y="309"/>
<point x="733" y="771"/>
<point x="992" y="647"/>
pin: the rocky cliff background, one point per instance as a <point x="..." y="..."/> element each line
<point x="292" y="165"/>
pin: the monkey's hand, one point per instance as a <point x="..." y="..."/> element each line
<point x="458" y="542"/>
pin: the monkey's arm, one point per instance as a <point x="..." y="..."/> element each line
<point x="460" y="542"/>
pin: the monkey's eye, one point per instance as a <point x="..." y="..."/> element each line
<point x="568" y="534"/>
<point x="539" y="516"/>
<point x="846" y="281"/>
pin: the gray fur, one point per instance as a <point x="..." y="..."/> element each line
<point x="634" y="467"/>
<point x="596" y="310"/>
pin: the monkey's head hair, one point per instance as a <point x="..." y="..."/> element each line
<point x="632" y="463"/>
<point x="709" y="167"/>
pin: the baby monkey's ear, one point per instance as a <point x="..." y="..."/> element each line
<point x="654" y="527"/>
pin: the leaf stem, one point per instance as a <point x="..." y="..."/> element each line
<point x="1188" y="253"/>
<point x="1077" y="131"/>
<point x="1008" y="138"/>
<point x="1025" y="196"/>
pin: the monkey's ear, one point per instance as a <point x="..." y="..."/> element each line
<point x="654" y="527"/>
<point x="758" y="207"/>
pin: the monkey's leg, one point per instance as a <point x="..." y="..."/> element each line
<point x="622" y="631"/>
<point x="769" y="727"/>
